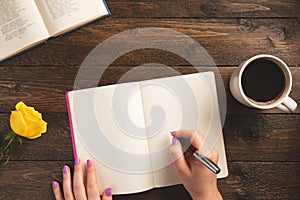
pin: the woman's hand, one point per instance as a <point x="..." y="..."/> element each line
<point x="199" y="181"/>
<point x="78" y="190"/>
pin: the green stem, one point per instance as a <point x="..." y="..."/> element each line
<point x="9" y="143"/>
<point x="9" y="147"/>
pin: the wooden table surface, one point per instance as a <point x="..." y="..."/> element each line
<point x="262" y="146"/>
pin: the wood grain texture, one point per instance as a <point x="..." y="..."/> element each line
<point x="262" y="146"/>
<point x="228" y="41"/>
<point x="261" y="180"/>
<point x="250" y="180"/>
<point x="255" y="137"/>
<point x="262" y="137"/>
<point x="203" y="9"/>
<point x="46" y="89"/>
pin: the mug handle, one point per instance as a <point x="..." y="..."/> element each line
<point x="288" y="105"/>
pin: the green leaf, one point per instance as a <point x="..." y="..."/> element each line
<point x="10" y="135"/>
<point x="20" y="140"/>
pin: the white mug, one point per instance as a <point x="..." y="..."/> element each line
<point x="283" y="101"/>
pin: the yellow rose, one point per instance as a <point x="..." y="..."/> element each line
<point x="27" y="122"/>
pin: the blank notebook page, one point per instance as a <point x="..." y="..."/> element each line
<point x="131" y="123"/>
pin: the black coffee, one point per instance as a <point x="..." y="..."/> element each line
<point x="263" y="80"/>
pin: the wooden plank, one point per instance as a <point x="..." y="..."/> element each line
<point x="247" y="180"/>
<point x="266" y="180"/>
<point x="262" y="137"/>
<point x="265" y="137"/>
<point x="228" y="41"/>
<point x="47" y="53"/>
<point x="203" y="9"/>
<point x="45" y="86"/>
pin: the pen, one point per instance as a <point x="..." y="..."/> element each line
<point x="203" y="159"/>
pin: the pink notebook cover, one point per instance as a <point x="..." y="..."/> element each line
<point x="71" y="125"/>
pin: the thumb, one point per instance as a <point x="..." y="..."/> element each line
<point x="180" y="164"/>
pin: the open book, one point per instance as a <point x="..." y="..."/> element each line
<point x="125" y="128"/>
<point x="25" y="23"/>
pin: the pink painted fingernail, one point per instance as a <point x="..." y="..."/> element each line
<point x="54" y="184"/>
<point x="174" y="140"/>
<point x="76" y="161"/>
<point x="89" y="163"/>
<point x="108" y="192"/>
<point x="66" y="169"/>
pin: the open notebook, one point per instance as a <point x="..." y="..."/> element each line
<point x="125" y="128"/>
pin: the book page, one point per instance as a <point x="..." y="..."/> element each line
<point x="21" y="25"/>
<point x="108" y="127"/>
<point x="181" y="102"/>
<point x="63" y="15"/>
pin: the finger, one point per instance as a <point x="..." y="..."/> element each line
<point x="180" y="164"/>
<point x="78" y="185"/>
<point x="106" y="195"/>
<point x="199" y="142"/>
<point x="56" y="191"/>
<point x="213" y="155"/>
<point x="195" y="137"/>
<point x="67" y="183"/>
<point x="91" y="182"/>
